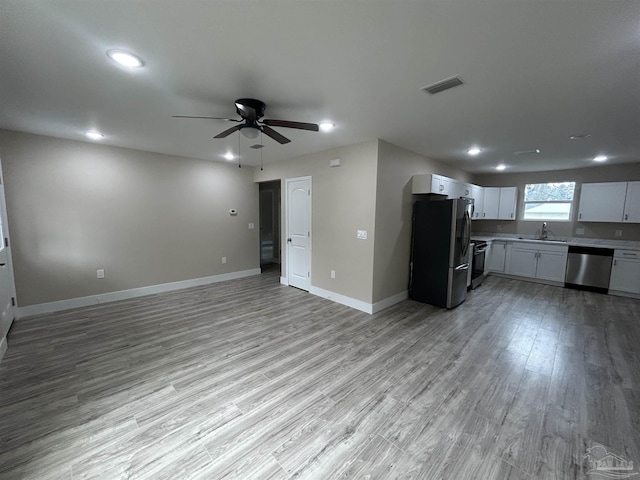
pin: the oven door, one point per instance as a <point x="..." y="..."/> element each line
<point x="479" y="259"/>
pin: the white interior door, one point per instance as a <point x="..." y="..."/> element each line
<point x="7" y="289"/>
<point x="299" y="232"/>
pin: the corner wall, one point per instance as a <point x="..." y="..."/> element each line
<point x="146" y="218"/>
<point x="343" y="201"/>
<point x="394" y="209"/>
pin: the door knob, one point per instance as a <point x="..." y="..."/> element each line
<point x="288" y="240"/>
<point x="2" y="264"/>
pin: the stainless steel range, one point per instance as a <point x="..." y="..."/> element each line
<point x="479" y="270"/>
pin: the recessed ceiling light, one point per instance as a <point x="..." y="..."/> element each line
<point x="502" y="166"/>
<point x="600" y="158"/>
<point x="93" y="135"/>
<point x="581" y="136"/>
<point x="474" y="151"/>
<point x="125" y="58"/>
<point x="527" y="152"/>
<point x="229" y="156"/>
<point x="326" y="126"/>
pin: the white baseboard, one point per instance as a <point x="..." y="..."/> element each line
<point x="618" y="293"/>
<point x="50" y="307"/>
<point x="392" y="300"/>
<point x="342" y="299"/>
<point x="3" y="347"/>
<point x="284" y="281"/>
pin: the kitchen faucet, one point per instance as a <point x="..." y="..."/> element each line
<point x="543" y="232"/>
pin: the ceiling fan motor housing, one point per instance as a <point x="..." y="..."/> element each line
<point x="256" y="105"/>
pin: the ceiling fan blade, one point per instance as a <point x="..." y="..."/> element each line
<point x="227" y="132"/>
<point x="275" y="135"/>
<point x="208" y="118"/>
<point x="285" y="123"/>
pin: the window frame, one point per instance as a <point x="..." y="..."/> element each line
<point x="571" y="202"/>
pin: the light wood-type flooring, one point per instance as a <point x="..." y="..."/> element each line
<point x="249" y="379"/>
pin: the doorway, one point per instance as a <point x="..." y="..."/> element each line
<point x="269" y="206"/>
<point x="7" y="284"/>
<point x="298" y="260"/>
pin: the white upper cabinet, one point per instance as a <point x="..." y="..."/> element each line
<point x="430" y="183"/>
<point x="508" y="202"/>
<point x="499" y="203"/>
<point x="477" y="193"/>
<point x="632" y="203"/>
<point x="491" y="203"/>
<point x="602" y="202"/>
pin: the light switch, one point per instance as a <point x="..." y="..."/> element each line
<point x="251" y="226"/>
<point x="100" y="273"/>
<point x="361" y="235"/>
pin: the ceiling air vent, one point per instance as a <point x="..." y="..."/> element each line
<point x="256" y="146"/>
<point x="443" y="85"/>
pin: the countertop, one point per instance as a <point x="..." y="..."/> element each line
<point x="580" y="242"/>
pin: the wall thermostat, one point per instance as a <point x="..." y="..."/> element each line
<point x="233" y="211"/>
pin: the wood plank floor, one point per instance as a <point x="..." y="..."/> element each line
<point x="249" y="379"/>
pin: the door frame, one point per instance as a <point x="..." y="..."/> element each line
<point x="285" y="278"/>
<point x="12" y="280"/>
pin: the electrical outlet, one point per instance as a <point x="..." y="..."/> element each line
<point x="333" y="274"/>
<point x="361" y="235"/>
<point x="100" y="273"/>
<point x="224" y="259"/>
<point x="251" y="226"/>
<point x="618" y="233"/>
<point x="580" y="231"/>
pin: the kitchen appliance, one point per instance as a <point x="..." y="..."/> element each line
<point x="478" y="267"/>
<point x="588" y="268"/>
<point x="439" y="252"/>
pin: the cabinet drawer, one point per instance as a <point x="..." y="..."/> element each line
<point x="631" y="254"/>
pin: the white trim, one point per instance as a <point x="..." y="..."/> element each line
<point x="3" y="347"/>
<point x="50" y="307"/>
<point x="342" y="299"/>
<point x="620" y="293"/>
<point x="387" y="302"/>
<point x="284" y="281"/>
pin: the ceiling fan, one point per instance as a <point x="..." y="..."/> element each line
<point x="251" y="111"/>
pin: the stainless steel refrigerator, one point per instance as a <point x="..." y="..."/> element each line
<point x="440" y="251"/>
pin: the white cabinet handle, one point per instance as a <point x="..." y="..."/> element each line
<point x="580" y="216"/>
<point x="615" y="262"/>
<point x="512" y="215"/>
<point x="626" y="216"/>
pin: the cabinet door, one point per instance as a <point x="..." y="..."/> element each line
<point x="602" y="202"/>
<point x="632" y="203"/>
<point x="523" y="261"/>
<point x="491" y="203"/>
<point x="454" y="188"/>
<point x="478" y="201"/>
<point x="552" y="266"/>
<point x="466" y="190"/>
<point x="445" y="184"/>
<point x="436" y="184"/>
<point x="497" y="257"/>
<point x="625" y="275"/>
<point x="507" y="204"/>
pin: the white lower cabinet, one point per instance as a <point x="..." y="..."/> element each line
<point x="498" y="256"/>
<point x="544" y="262"/>
<point x="625" y="272"/>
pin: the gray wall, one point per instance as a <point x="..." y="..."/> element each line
<point x="394" y="204"/>
<point x="145" y="218"/>
<point x="612" y="173"/>
<point x="343" y="201"/>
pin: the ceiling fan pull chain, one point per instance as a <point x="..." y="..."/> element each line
<point x="239" y="166"/>
<point x="261" y="143"/>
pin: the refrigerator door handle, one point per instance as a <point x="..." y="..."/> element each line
<point x="464" y="266"/>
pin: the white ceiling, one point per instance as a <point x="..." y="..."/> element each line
<point x="535" y="72"/>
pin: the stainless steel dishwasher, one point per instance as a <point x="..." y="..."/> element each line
<point x="589" y="268"/>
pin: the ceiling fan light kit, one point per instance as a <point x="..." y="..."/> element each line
<point x="251" y="112"/>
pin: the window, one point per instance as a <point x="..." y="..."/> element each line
<point x="548" y="201"/>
